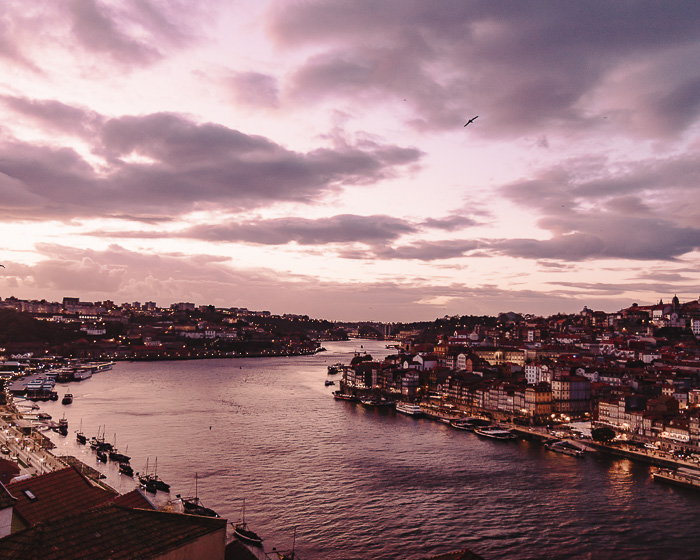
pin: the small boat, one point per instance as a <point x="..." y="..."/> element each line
<point x="495" y="432"/>
<point x="377" y="403"/>
<point x="682" y="476"/>
<point x="469" y="424"/>
<point x="63" y="426"/>
<point x="126" y="469"/>
<point x="4" y="449"/>
<point x="409" y="408"/>
<point x="335" y="368"/>
<point x="53" y="395"/>
<point x="194" y="506"/>
<point x="102" y="456"/>
<point x="243" y="533"/>
<point x="329" y="382"/>
<point x="118" y="457"/>
<point x="80" y="436"/>
<point x="67" y="398"/>
<point x="43" y="416"/>
<point x="344" y="396"/>
<point x="565" y="447"/>
<point x="151" y="481"/>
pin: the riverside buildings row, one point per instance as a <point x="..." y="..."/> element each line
<point x="637" y="371"/>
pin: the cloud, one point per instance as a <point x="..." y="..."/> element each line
<point x="128" y="33"/>
<point x="165" y="164"/>
<point x="549" y="61"/>
<point x="255" y="89"/>
<point x="121" y="275"/>
<point x="337" y="229"/>
<point x="55" y="115"/>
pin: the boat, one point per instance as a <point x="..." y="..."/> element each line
<point x="377" y="403"/>
<point x="4" y="449"/>
<point x="102" y="456"/>
<point x="67" y="398"/>
<point x="344" y="396"/>
<point x="118" y="457"/>
<point x="329" y="382"/>
<point x="495" y="432"/>
<point x="565" y="447"/>
<point x="126" y="469"/>
<point x="335" y="368"/>
<point x="43" y="416"/>
<point x="81" y="373"/>
<point x="151" y="481"/>
<point x="80" y="436"/>
<point x="194" y="506"/>
<point x="411" y="409"/>
<point x="469" y="424"/>
<point x="688" y="478"/>
<point x="63" y="426"/>
<point x="241" y="531"/>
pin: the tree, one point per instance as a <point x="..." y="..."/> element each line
<point x="603" y="435"/>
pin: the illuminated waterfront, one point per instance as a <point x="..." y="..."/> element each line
<point x="362" y="483"/>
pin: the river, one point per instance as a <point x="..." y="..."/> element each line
<point x="360" y="483"/>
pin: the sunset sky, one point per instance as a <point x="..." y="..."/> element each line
<point x="311" y="157"/>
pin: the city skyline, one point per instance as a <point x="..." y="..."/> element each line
<point x="312" y="157"/>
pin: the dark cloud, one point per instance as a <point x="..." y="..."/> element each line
<point x="95" y="26"/>
<point x="56" y="115"/>
<point x="255" y="89"/>
<point x="594" y="208"/>
<point x="428" y="250"/>
<point x="166" y="164"/>
<point x="450" y="223"/>
<point x="337" y="229"/>
<point x="546" y="59"/>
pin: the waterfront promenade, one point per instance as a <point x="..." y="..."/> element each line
<point x="24" y="446"/>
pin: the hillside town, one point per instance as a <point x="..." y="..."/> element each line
<point x="636" y="370"/>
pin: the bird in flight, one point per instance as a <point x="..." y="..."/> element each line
<point x="472" y="120"/>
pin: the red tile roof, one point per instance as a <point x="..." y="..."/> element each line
<point x="134" y="499"/>
<point x="8" y="470"/>
<point x="55" y="494"/>
<point x="111" y="532"/>
<point x="6" y="499"/>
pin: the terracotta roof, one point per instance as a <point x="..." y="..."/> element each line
<point x="111" y="532"/>
<point x="134" y="499"/>
<point x="8" y="470"/>
<point x="55" y="494"/>
<point x="6" y="499"/>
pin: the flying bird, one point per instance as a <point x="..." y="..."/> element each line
<point x="472" y="120"/>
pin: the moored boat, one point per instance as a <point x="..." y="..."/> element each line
<point x="565" y="447"/>
<point x="495" y="432"/>
<point x="377" y="403"/>
<point x="242" y="532"/>
<point x="126" y="469"/>
<point x="194" y="506"/>
<point x="410" y="409"/>
<point x="344" y="396"/>
<point x="687" y="478"/>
